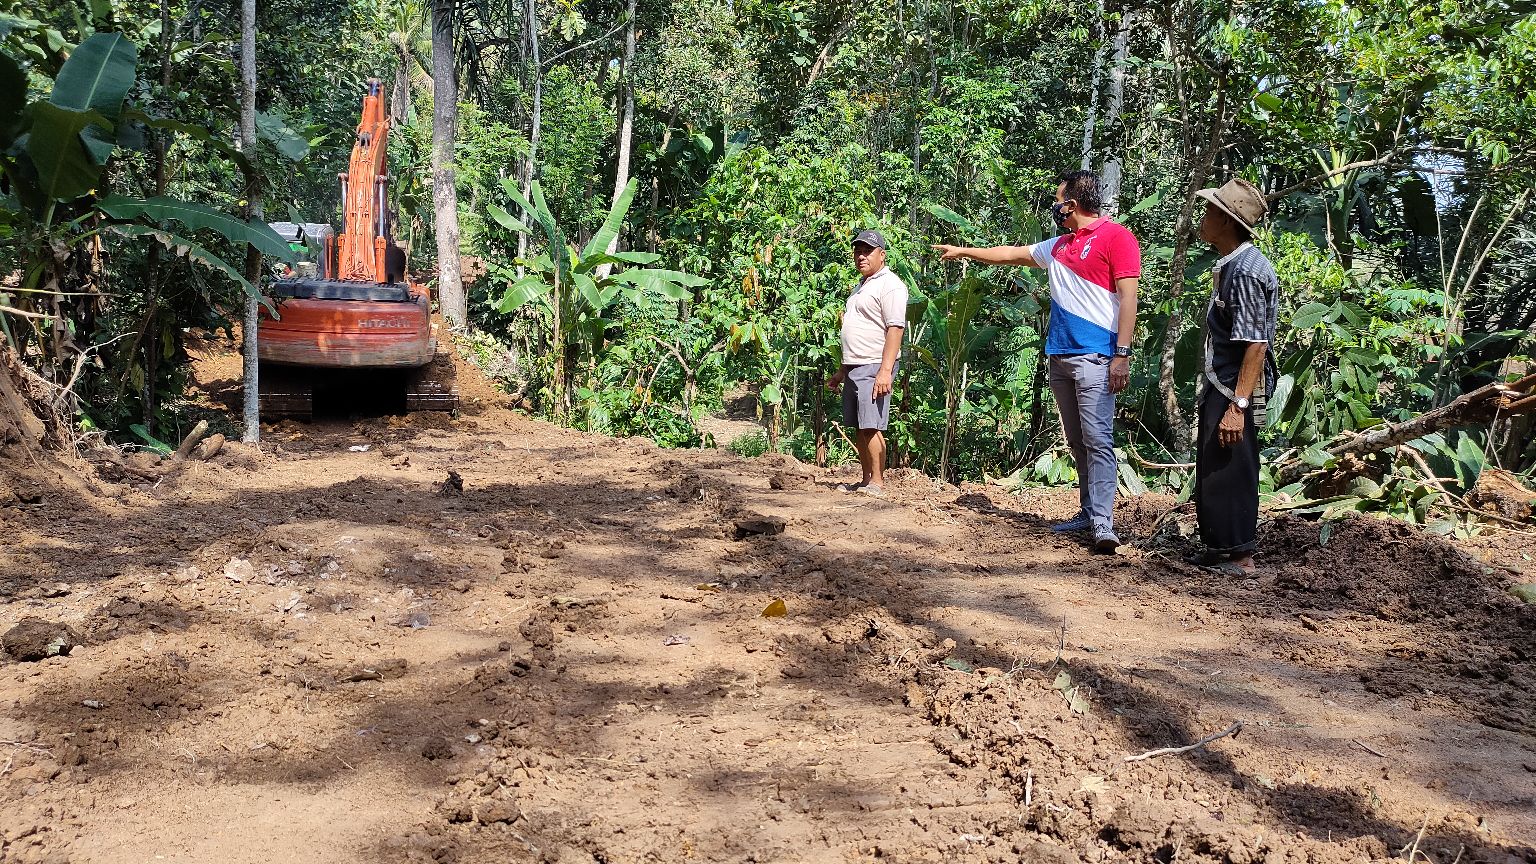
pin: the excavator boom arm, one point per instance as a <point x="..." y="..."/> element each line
<point x="364" y="194"/>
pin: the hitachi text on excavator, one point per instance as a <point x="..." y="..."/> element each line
<point x="352" y="309"/>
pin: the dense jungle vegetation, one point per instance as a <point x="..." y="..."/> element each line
<point x="655" y="200"/>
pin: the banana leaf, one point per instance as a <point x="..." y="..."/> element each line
<point x="197" y="217"/>
<point x="670" y="284"/>
<point x="66" y="169"/>
<point x="522" y="292"/>
<point x="507" y="220"/>
<point x="181" y="246"/>
<point x="606" y="234"/>
<point x="97" y="77"/>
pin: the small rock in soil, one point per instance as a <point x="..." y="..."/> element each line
<point x="239" y="570"/>
<point x="34" y="639"/>
<point x="392" y="668"/>
<point x="1526" y="591"/>
<point x="538" y="633"/>
<point x="436" y="748"/>
<point x="753" y="525"/>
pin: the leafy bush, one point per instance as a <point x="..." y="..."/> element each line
<point x="749" y="446"/>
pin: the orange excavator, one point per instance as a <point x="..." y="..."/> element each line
<point x="353" y="310"/>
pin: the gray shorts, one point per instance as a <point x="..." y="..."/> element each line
<point x="860" y="408"/>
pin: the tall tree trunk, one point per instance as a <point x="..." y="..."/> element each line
<point x="445" y="199"/>
<point x="1110" y="173"/>
<point x="626" y="127"/>
<point x="252" y="412"/>
<point x="531" y="163"/>
<point x="1090" y="122"/>
<point x="1204" y="159"/>
<point x="400" y="96"/>
<point x="652" y="233"/>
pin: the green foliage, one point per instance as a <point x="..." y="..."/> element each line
<point x="1396" y="139"/>
<point x="749" y="446"/>
<point x="105" y="241"/>
<point x="578" y="295"/>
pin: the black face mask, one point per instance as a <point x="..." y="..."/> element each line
<point x="1058" y="216"/>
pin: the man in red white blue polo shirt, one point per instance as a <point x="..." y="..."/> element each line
<point x="1093" y="269"/>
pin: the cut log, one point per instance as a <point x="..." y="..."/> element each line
<point x="211" y="447"/>
<point x="1502" y="493"/>
<point x="191" y="440"/>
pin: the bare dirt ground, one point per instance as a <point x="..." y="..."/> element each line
<point x="317" y="653"/>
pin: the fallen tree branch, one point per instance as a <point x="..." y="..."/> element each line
<point x="1235" y="728"/>
<point x="1429" y="474"/>
<point x="1478" y="406"/>
<point x="1156" y="466"/>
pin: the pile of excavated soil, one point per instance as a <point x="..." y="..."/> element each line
<point x="326" y="650"/>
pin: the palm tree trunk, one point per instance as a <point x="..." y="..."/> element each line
<point x="445" y="199"/>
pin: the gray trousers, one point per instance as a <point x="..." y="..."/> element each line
<point x="1080" y="383"/>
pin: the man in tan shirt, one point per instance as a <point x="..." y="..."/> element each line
<point x="873" y="323"/>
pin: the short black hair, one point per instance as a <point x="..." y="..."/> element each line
<point x="1083" y="187"/>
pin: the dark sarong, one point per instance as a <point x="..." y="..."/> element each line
<point x="1226" y="482"/>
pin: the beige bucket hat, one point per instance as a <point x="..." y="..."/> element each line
<point x="1239" y="199"/>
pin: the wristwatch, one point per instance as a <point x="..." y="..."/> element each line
<point x="1241" y="403"/>
<point x="1122" y="351"/>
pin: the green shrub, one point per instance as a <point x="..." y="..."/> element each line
<point x="749" y="446"/>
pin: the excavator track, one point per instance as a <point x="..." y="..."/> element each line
<point x="433" y="387"/>
<point x="286" y="392"/>
<point x="296" y="392"/>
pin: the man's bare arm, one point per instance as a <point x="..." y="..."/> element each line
<point x="1253" y="367"/>
<point x="883" y="378"/>
<point x="1125" y="328"/>
<point x="1009" y="256"/>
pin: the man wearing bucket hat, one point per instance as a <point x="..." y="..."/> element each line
<point x="1238" y="374"/>
<point x="874" y="321"/>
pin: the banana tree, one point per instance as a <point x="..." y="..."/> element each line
<point x="58" y="225"/>
<point x="950" y="321"/>
<point x="571" y="291"/>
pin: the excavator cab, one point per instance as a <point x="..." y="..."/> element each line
<point x="347" y="306"/>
